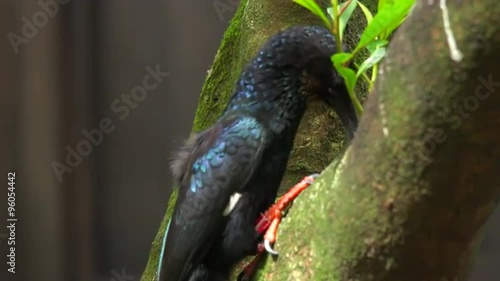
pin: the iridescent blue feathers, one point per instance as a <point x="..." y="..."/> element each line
<point x="219" y="161"/>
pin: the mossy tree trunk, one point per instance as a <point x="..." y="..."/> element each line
<point x="408" y="199"/>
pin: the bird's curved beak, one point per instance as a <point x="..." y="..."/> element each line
<point x="338" y="99"/>
<point x="330" y="87"/>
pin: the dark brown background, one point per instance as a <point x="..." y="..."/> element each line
<point x="99" y="221"/>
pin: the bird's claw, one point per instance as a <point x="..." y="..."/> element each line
<point x="310" y="179"/>
<point x="268" y="223"/>
<point x="269" y="249"/>
<point x="270" y="220"/>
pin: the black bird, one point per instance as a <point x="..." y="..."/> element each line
<point x="230" y="173"/>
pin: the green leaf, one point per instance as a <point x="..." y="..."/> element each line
<point x="339" y="59"/>
<point x="392" y="13"/>
<point x="348" y="74"/>
<point x="312" y="6"/>
<point x="396" y="24"/>
<point x="329" y="11"/>
<point x="372" y="46"/>
<point x="373" y="59"/>
<point x="346" y="14"/>
<point x="381" y="4"/>
<point x="366" y="11"/>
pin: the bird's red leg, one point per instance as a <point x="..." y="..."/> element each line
<point x="268" y="223"/>
<point x="275" y="213"/>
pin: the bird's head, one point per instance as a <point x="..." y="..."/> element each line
<point x="291" y="69"/>
<point x="319" y="79"/>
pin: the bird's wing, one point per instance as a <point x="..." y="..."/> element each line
<point x="221" y="161"/>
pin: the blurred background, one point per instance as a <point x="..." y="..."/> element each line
<point x="96" y="96"/>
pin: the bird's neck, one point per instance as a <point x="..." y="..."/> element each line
<point x="274" y="97"/>
<point x="278" y="120"/>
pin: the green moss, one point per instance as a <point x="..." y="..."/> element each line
<point x="312" y="249"/>
<point x="152" y="265"/>
<point x="222" y="76"/>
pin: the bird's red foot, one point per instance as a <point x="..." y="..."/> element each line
<point x="271" y="219"/>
